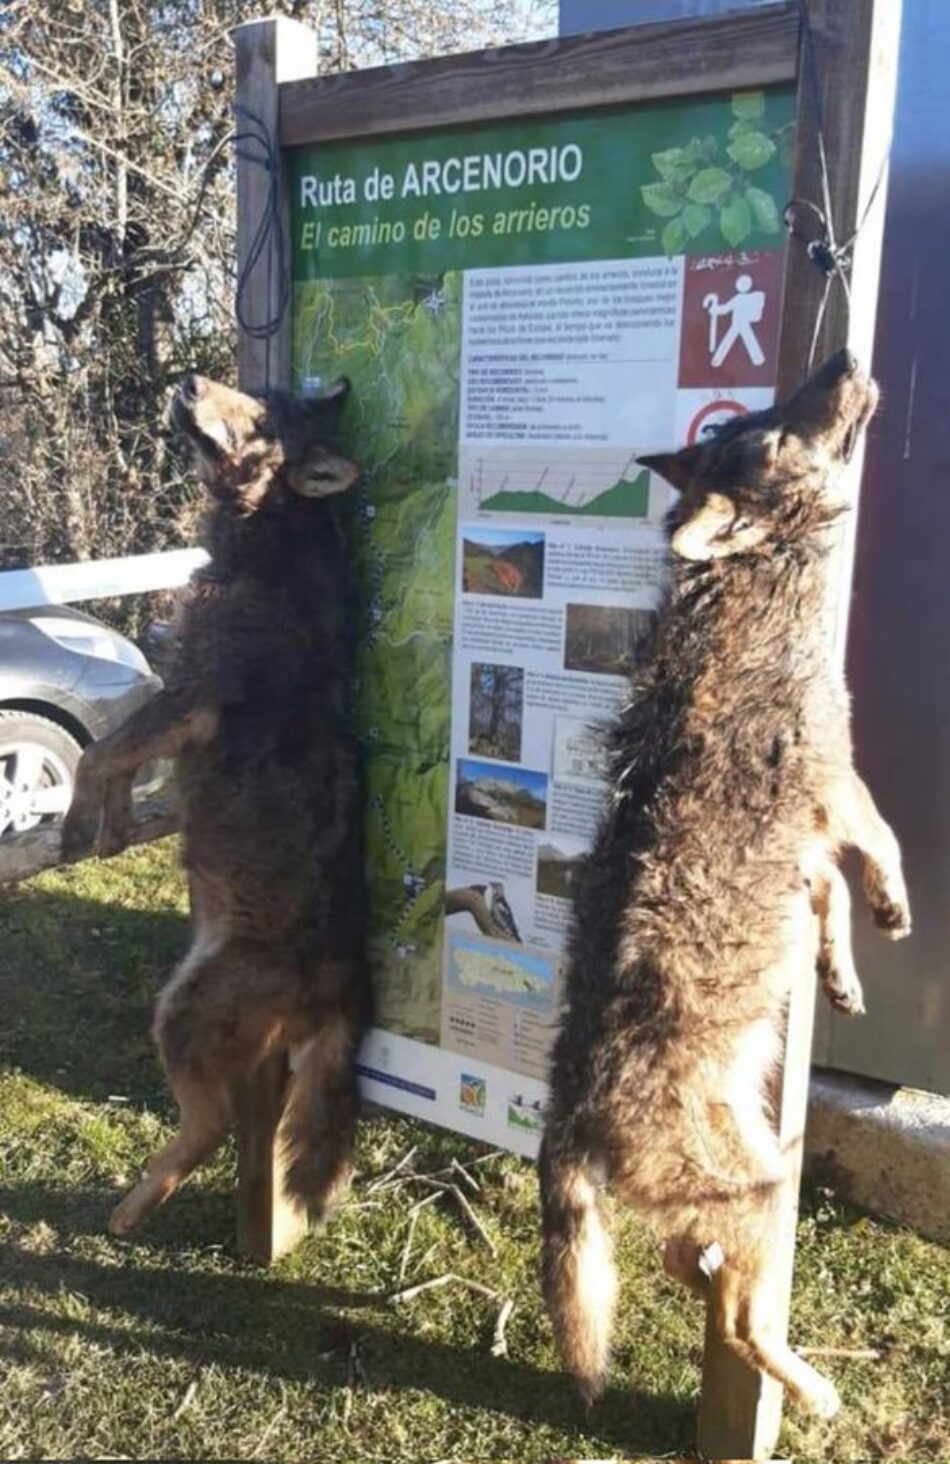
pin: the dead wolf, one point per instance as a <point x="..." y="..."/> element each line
<point x="255" y="713"/>
<point x="713" y="886"/>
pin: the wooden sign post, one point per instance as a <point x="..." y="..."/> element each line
<point x="835" y="80"/>
<point x="268" y="54"/>
<point x="846" y="91"/>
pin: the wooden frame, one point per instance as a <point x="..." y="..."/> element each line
<point x="851" y="90"/>
<point x="612" y="68"/>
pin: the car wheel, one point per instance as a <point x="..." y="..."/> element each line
<point x="38" y="762"/>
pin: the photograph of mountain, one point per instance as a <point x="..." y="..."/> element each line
<point x="501" y="794"/>
<point x="503" y="562"/>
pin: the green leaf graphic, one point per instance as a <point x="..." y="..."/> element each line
<point x="676" y="164"/>
<point x="673" y="238"/>
<point x="661" y="200"/>
<point x="748" y="104"/>
<point x="752" y="150"/>
<point x="735" y="220"/>
<point x="709" y="185"/>
<point x="744" y="125"/>
<point x="696" y="216"/>
<point x="764" y="209"/>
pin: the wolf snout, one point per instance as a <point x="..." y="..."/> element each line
<point x="190" y="388"/>
<point x="841" y="371"/>
<point x="845" y="362"/>
<point x="186" y="400"/>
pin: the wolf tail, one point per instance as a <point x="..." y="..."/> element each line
<point x="577" y="1265"/>
<point x="317" y="1128"/>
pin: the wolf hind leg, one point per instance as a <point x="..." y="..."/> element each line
<point x="745" y="1321"/>
<point x="735" y="1216"/>
<point x="214" y="1022"/>
<point x="205" y="1119"/>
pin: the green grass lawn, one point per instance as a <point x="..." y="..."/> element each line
<point x="172" y="1348"/>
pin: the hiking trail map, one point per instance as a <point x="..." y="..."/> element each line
<point x="523" y="310"/>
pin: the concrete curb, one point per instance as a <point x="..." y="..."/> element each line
<point x="886" y="1149"/>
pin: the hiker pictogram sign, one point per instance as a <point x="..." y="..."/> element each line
<point x="731" y="313"/>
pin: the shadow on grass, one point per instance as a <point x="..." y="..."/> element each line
<point x="299" y="1332"/>
<point x="78" y="979"/>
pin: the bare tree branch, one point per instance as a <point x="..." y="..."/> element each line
<point x="117" y="241"/>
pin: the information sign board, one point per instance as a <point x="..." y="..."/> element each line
<point x="524" y="309"/>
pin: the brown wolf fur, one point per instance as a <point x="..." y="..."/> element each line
<point x="712" y="887"/>
<point x="254" y="712"/>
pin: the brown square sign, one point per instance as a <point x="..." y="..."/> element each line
<point x="731" y="306"/>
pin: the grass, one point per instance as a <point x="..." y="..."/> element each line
<point x="171" y="1347"/>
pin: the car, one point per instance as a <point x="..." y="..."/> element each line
<point x="66" y="679"/>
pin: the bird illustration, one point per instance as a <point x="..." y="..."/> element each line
<point x="501" y="913"/>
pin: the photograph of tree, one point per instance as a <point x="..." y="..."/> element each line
<point x="603" y="638"/>
<point x="496" y="711"/>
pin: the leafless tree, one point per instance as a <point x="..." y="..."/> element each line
<point x="496" y="710"/>
<point x="117" y="239"/>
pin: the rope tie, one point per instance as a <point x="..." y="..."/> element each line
<point x="831" y="258"/>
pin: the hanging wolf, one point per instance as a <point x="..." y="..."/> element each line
<point x="255" y="713"/>
<point x="713" y="887"/>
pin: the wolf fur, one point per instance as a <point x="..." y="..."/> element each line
<point x="254" y="711"/>
<point x="712" y="888"/>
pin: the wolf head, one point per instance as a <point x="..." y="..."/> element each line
<point x="769" y="477"/>
<point x="251" y="451"/>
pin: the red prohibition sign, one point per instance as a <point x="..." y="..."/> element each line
<point x="722" y="407"/>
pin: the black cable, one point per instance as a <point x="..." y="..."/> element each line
<point x="255" y="145"/>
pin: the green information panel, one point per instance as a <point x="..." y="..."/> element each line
<point x="523" y="310"/>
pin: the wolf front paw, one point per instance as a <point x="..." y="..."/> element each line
<point x="113" y="838"/>
<point x="845" y="996"/>
<point x="78" y="835"/>
<point x="887" y="896"/>
<point x="114" y="834"/>
<point x="840" y="983"/>
<point x="892" y="918"/>
<point x="112" y="842"/>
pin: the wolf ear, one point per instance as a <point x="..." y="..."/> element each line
<point x="323" y="474"/>
<point x="716" y="530"/>
<point x="677" y="468"/>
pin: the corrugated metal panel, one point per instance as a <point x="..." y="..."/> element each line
<point x="899" y="654"/>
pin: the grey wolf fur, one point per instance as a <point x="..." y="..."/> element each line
<point x="254" y="712"/>
<point x="712" y="888"/>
